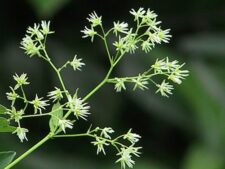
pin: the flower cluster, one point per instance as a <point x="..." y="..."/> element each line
<point x="33" y="40"/>
<point x="95" y="21"/>
<point x="170" y="69"/>
<point x="103" y="139"/>
<point x="67" y="108"/>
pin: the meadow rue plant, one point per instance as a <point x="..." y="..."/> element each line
<point x="68" y="108"/>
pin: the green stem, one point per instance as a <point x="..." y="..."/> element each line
<point x="55" y="69"/>
<point x="45" y="139"/>
<point x="99" y="85"/>
<point x="106" y="46"/>
<point x="36" y="115"/>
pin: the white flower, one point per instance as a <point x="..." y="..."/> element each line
<point x="132" y="137"/>
<point x="119" y="84"/>
<point x="131" y="42"/>
<point x="21" y="80"/>
<point x="35" y="31"/>
<point x="16" y="115"/>
<point x="126" y="155"/>
<point x="120" y="27"/>
<point x="150" y="14"/>
<point x="100" y="143"/>
<point x="21" y="133"/>
<point x="171" y="66"/>
<point x="164" y="35"/>
<point x="140" y="82"/>
<point x="138" y="14"/>
<point x="12" y="95"/>
<point x="31" y="48"/>
<point x="39" y="104"/>
<point x="76" y="63"/>
<point x="120" y="45"/>
<point x="147" y="46"/>
<point x="178" y="75"/>
<point x="55" y="94"/>
<point x="65" y="124"/>
<point x="164" y="88"/>
<point x="89" y="33"/>
<point x="79" y="108"/>
<point x="46" y="28"/>
<point x="154" y="38"/>
<point x="95" y="19"/>
<point x="106" y="131"/>
<point x="159" y="66"/>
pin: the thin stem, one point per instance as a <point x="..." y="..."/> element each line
<point x="99" y="85"/>
<point x="106" y="46"/>
<point x="36" y="115"/>
<point x="113" y="142"/>
<point x="55" y="69"/>
<point x="36" y="146"/>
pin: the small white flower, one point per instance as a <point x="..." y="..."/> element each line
<point x="138" y="14"/>
<point x="120" y="27"/>
<point x="35" y="31"/>
<point x="131" y="42"/>
<point x="140" y="82"/>
<point x="76" y="63"/>
<point x="120" y="45"/>
<point x="16" y="115"/>
<point x="164" y="35"/>
<point x="65" y="124"/>
<point x="80" y="109"/>
<point x="55" y="94"/>
<point x="39" y="104"/>
<point x="178" y="75"/>
<point x="132" y="137"/>
<point x="119" y="84"/>
<point x="89" y="33"/>
<point x="171" y="66"/>
<point x="150" y="14"/>
<point x="126" y="155"/>
<point x="159" y="66"/>
<point x="12" y="95"/>
<point x="106" y="131"/>
<point x="154" y="38"/>
<point x="164" y="88"/>
<point x="95" y="19"/>
<point x="21" y="80"/>
<point x="147" y="46"/>
<point x="46" y="28"/>
<point x="31" y="48"/>
<point x="100" y="143"/>
<point x="21" y="133"/>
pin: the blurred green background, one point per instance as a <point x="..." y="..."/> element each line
<point x="186" y="131"/>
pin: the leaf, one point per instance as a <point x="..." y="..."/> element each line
<point x="6" y="158"/>
<point x="56" y="114"/>
<point x="5" y="127"/>
<point x="2" y="109"/>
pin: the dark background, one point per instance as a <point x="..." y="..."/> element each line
<point x="186" y="131"/>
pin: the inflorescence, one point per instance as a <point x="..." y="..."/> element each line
<point x="67" y="108"/>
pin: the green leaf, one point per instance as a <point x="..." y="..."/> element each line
<point x="56" y="114"/>
<point x="2" y="109"/>
<point x="5" y="127"/>
<point x="6" y="158"/>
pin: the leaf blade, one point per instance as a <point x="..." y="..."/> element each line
<point x="56" y="114"/>
<point x="6" y="158"/>
<point x="5" y="127"/>
<point x="3" y="109"/>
